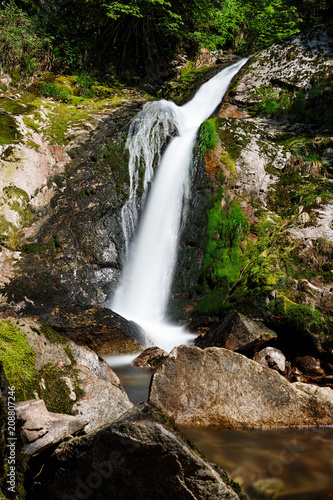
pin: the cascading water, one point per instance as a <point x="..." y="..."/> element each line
<point x="143" y="292"/>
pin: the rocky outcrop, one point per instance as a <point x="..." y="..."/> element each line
<point x="294" y="61"/>
<point x="98" y="328"/>
<point x="150" y="358"/>
<point x="72" y="246"/>
<point x="238" y="333"/>
<point x="216" y="386"/>
<point x="43" y="429"/>
<point x="138" y="456"/>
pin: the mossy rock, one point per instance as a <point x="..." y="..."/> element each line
<point x="18" y="359"/>
<point x="9" y="131"/>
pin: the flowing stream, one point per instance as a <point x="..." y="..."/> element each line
<point x="143" y="293"/>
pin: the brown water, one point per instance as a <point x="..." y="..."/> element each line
<point x="279" y="464"/>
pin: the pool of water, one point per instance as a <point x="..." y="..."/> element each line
<point x="277" y="464"/>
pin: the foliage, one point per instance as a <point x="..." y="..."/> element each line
<point x="314" y="106"/>
<point x="53" y="90"/>
<point x="23" y="49"/>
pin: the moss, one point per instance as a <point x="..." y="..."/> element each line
<point x="45" y="249"/>
<point x="9" y="131"/>
<point x="52" y="335"/>
<point x="207" y="136"/>
<point x="16" y="106"/>
<point x="18" y="359"/>
<point x="298" y="318"/>
<point x="53" y="389"/>
<point x="228" y="162"/>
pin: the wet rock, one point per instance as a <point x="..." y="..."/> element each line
<point x="309" y="366"/>
<point x="239" y="333"/>
<point x="150" y="358"/>
<point x="43" y="429"/>
<point x="138" y="456"/>
<point x="98" y="328"/>
<point x="216" y="386"/>
<point x="271" y="358"/>
<point x="101" y="402"/>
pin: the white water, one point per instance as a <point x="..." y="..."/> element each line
<point x="144" y="290"/>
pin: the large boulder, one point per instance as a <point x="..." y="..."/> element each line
<point x="99" y="328"/>
<point x="216" y="386"/>
<point x="238" y="333"/>
<point x="101" y="401"/>
<point x="140" y="456"/>
<point x="42" y="429"/>
<point x="71" y="379"/>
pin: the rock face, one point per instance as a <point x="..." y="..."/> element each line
<point x="239" y="333"/>
<point x="293" y="62"/>
<point x="216" y="386"/>
<point x="43" y="429"/>
<point x="72" y="252"/>
<point x="98" y="328"/>
<point x="137" y="457"/>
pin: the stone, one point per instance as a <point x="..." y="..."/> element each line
<point x="325" y="393"/>
<point x="271" y="358"/>
<point x="98" y="328"/>
<point x="239" y="333"/>
<point x="43" y="429"/>
<point x="150" y="358"/>
<point x="101" y="402"/>
<point x="216" y="386"/>
<point x="139" y="456"/>
<point x="309" y="366"/>
<point x="59" y="349"/>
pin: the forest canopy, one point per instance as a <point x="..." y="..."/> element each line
<point x="141" y="36"/>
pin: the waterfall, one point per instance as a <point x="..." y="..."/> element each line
<point x="143" y="292"/>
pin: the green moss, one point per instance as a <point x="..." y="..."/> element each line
<point x="18" y="359"/>
<point x="207" y="136"/>
<point x="45" y="249"/>
<point x="228" y="162"/>
<point x="52" y="388"/>
<point x="301" y="319"/>
<point x="9" y="131"/>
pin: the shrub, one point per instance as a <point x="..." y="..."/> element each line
<point x="22" y="48"/>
